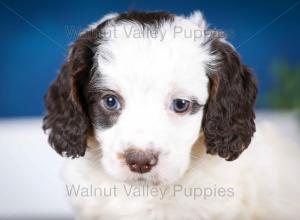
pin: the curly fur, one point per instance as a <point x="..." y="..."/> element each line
<point x="67" y="117"/>
<point x="228" y="122"/>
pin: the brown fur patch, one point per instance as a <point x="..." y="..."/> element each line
<point x="228" y="122"/>
<point x="214" y="82"/>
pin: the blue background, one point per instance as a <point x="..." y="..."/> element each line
<point x="35" y="36"/>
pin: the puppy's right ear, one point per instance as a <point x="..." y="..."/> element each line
<point x="67" y="119"/>
<point x="67" y="116"/>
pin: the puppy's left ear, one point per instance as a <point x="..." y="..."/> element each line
<point x="228" y="122"/>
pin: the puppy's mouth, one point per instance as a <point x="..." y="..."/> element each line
<point x="142" y="180"/>
<point x="150" y="178"/>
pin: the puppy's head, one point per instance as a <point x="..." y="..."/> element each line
<point x="145" y="85"/>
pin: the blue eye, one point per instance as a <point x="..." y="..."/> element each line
<point x="111" y="102"/>
<point x="180" y="105"/>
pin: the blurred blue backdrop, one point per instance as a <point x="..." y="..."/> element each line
<point x="35" y="36"/>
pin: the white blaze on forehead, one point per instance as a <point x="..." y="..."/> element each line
<point x="155" y="57"/>
<point x="133" y="57"/>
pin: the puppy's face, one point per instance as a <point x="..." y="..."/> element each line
<point x="146" y="98"/>
<point x="152" y="93"/>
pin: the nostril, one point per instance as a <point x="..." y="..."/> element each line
<point x="140" y="161"/>
<point x="134" y="166"/>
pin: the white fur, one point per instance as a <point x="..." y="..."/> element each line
<point x="197" y="18"/>
<point x="149" y="72"/>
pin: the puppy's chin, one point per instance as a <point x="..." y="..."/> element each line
<point x="154" y="179"/>
<point x="151" y="178"/>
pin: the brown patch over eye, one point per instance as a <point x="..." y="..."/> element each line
<point x="104" y="108"/>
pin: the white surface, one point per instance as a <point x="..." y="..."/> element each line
<point x="30" y="184"/>
<point x="286" y="122"/>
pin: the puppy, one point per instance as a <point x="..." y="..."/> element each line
<point x="157" y="109"/>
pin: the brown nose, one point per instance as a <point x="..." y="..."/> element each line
<point x="140" y="161"/>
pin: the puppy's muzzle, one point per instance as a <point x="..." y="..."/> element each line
<point x="141" y="161"/>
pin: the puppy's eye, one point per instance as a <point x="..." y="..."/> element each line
<point x="180" y="105"/>
<point x="111" y="103"/>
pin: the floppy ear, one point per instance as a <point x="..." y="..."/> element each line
<point x="228" y="122"/>
<point x="67" y="118"/>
